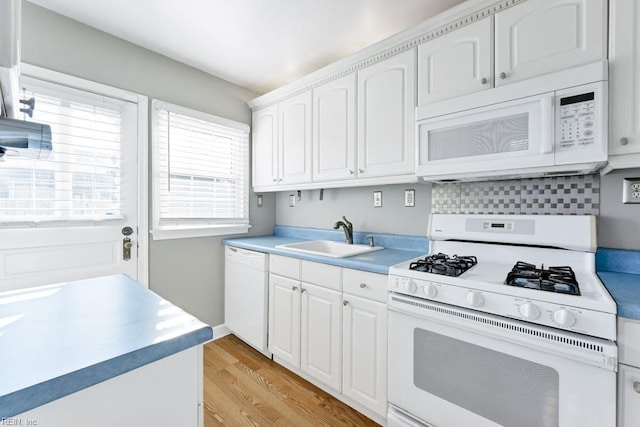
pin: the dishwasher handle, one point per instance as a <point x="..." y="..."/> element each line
<point x="252" y="259"/>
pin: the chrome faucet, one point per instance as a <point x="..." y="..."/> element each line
<point x="347" y="227"/>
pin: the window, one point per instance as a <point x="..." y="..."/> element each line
<point x="81" y="180"/>
<point x="200" y="173"/>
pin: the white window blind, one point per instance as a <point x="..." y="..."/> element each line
<point x="201" y="171"/>
<point x="81" y="179"/>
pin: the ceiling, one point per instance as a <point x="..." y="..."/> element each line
<point x="258" y="44"/>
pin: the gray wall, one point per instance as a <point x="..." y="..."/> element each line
<point x="357" y="205"/>
<point x="188" y="272"/>
<point x="618" y="224"/>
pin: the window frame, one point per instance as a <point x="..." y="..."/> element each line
<point x="189" y="228"/>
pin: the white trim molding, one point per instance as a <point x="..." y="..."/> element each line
<point x="464" y="14"/>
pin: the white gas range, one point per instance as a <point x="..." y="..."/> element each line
<point x="504" y="322"/>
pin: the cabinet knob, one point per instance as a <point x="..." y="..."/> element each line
<point x="484" y="80"/>
<point x="360" y="170"/>
<point x="275" y="180"/>
<point x="303" y="290"/>
<point x="503" y="75"/>
<point x="624" y="140"/>
<point x="350" y="172"/>
<point x="345" y="303"/>
<point x="363" y="285"/>
<point x="636" y="386"/>
<point x="294" y="288"/>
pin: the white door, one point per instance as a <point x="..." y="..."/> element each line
<point x="295" y="139"/>
<point x="321" y="334"/>
<point x="457" y="63"/>
<point x="334" y="130"/>
<point x="386" y="117"/>
<point x="624" y="82"/>
<point x="265" y="147"/>
<point x="364" y="357"/>
<point x="540" y="36"/>
<point x="69" y="217"/>
<point x="284" y="319"/>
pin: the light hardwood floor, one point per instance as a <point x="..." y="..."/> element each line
<point x="244" y="388"/>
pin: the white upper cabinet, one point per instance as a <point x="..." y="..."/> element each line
<point x="386" y="117"/>
<point x="295" y="139"/>
<point x="334" y="130"/>
<point x="624" y="84"/>
<point x="457" y="63"/>
<point x="265" y="146"/>
<point x="529" y="39"/>
<point x="541" y="36"/>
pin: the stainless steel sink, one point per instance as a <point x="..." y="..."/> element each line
<point x="329" y="248"/>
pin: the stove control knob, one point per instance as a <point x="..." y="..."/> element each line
<point x="475" y="299"/>
<point x="529" y="311"/>
<point x="430" y="290"/>
<point x="564" y="318"/>
<point x="410" y="286"/>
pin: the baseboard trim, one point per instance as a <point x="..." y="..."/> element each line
<point x="220" y="331"/>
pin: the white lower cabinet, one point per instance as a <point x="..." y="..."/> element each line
<point x="628" y="372"/>
<point x="336" y="340"/>
<point x="364" y="352"/>
<point x="321" y="334"/>
<point x="284" y="318"/>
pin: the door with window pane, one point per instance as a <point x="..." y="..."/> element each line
<point x="62" y="218"/>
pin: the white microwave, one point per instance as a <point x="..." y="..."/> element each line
<point x="551" y="125"/>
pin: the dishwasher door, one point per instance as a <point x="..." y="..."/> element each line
<point x="246" y="299"/>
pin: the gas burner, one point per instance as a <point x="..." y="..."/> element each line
<point x="444" y="264"/>
<point x="554" y="279"/>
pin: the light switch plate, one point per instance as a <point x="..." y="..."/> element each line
<point x="259" y="201"/>
<point x="409" y="198"/>
<point x="377" y="199"/>
<point x="292" y="200"/>
<point x="631" y="190"/>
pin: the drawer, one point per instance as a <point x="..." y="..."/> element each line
<point x="629" y="341"/>
<point x="327" y="276"/>
<point x="628" y="396"/>
<point x="284" y="266"/>
<point x="368" y="285"/>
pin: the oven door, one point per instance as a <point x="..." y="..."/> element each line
<point x="455" y="367"/>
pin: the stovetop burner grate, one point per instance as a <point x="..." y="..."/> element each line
<point x="444" y="264"/>
<point x="560" y="279"/>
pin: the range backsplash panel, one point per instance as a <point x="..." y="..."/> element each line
<point x="560" y="195"/>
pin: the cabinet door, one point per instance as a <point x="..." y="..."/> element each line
<point x="334" y="130"/>
<point x="457" y="63"/>
<point x="628" y="396"/>
<point x="284" y="319"/>
<point x="321" y="334"/>
<point x="624" y="81"/>
<point x="540" y="36"/>
<point x="295" y="139"/>
<point x="365" y="352"/>
<point x="386" y="117"/>
<point x="265" y="146"/>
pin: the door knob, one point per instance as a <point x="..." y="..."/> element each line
<point x="484" y="80"/>
<point x="503" y="75"/>
<point x="624" y="140"/>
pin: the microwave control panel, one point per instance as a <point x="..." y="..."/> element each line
<point x="577" y="120"/>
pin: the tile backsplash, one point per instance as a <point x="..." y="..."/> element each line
<point x="560" y="195"/>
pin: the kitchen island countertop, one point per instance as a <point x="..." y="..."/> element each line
<point x="59" y="339"/>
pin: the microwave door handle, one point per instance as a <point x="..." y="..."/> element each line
<point x="547" y="124"/>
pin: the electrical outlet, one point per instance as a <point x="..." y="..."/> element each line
<point x="631" y="192"/>
<point x="292" y="200"/>
<point x="409" y="198"/>
<point x="259" y="200"/>
<point x="377" y="199"/>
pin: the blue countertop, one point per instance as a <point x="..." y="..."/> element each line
<point x="59" y="339"/>
<point x="619" y="270"/>
<point x="397" y="248"/>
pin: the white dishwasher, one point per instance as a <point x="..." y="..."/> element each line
<point x="246" y="299"/>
